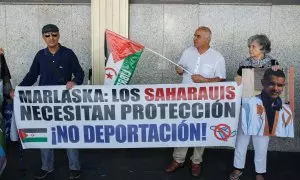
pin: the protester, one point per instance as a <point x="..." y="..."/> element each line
<point x="264" y="115"/>
<point x="55" y="65"/>
<point x="259" y="46"/>
<point x="7" y="103"/>
<point x="2" y="120"/>
<point x="207" y="65"/>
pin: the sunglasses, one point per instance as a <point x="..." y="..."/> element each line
<point x="48" y="35"/>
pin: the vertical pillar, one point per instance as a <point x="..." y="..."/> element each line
<point x="106" y="14"/>
<point x="291" y="84"/>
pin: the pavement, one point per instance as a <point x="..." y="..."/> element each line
<point x="147" y="164"/>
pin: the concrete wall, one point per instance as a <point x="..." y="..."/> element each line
<point x="167" y="29"/>
<point x="20" y="33"/>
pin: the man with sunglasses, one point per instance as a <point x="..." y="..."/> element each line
<point x="55" y="65"/>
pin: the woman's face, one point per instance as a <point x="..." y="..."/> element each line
<point x="255" y="50"/>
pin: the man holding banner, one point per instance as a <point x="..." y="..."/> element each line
<point x="207" y="65"/>
<point x="55" y="65"/>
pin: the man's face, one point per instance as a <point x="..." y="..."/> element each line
<point x="201" y="38"/>
<point x="273" y="86"/>
<point x="255" y="50"/>
<point x="51" y="39"/>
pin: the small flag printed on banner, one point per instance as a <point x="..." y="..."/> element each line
<point x="33" y="135"/>
<point x="123" y="58"/>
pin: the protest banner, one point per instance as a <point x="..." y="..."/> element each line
<point x="129" y="116"/>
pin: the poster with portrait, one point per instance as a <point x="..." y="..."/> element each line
<point x="259" y="119"/>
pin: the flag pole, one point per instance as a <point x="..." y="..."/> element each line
<point x="168" y="60"/>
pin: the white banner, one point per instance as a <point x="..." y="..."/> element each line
<point x="131" y="116"/>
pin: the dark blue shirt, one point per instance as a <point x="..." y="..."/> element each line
<point x="54" y="69"/>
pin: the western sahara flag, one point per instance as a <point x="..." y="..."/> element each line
<point x="122" y="60"/>
<point x="33" y="135"/>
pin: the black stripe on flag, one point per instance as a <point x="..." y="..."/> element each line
<point x="34" y="130"/>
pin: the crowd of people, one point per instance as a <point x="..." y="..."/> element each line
<point x="58" y="65"/>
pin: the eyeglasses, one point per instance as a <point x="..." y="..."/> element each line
<point x="52" y="34"/>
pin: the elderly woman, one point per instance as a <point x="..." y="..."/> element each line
<point x="259" y="46"/>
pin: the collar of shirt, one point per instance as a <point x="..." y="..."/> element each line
<point x="275" y="105"/>
<point x="48" y="53"/>
<point x="209" y="49"/>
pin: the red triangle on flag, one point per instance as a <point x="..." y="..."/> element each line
<point x="22" y="134"/>
<point x="120" y="46"/>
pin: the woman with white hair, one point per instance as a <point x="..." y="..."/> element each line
<point x="259" y="46"/>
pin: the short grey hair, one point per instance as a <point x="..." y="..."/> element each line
<point x="206" y="29"/>
<point x="262" y="40"/>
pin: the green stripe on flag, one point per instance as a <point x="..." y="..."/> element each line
<point x="127" y="69"/>
<point x="38" y="139"/>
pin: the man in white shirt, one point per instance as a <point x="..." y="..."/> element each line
<point x="206" y="65"/>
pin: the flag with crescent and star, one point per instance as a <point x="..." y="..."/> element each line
<point x="122" y="59"/>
